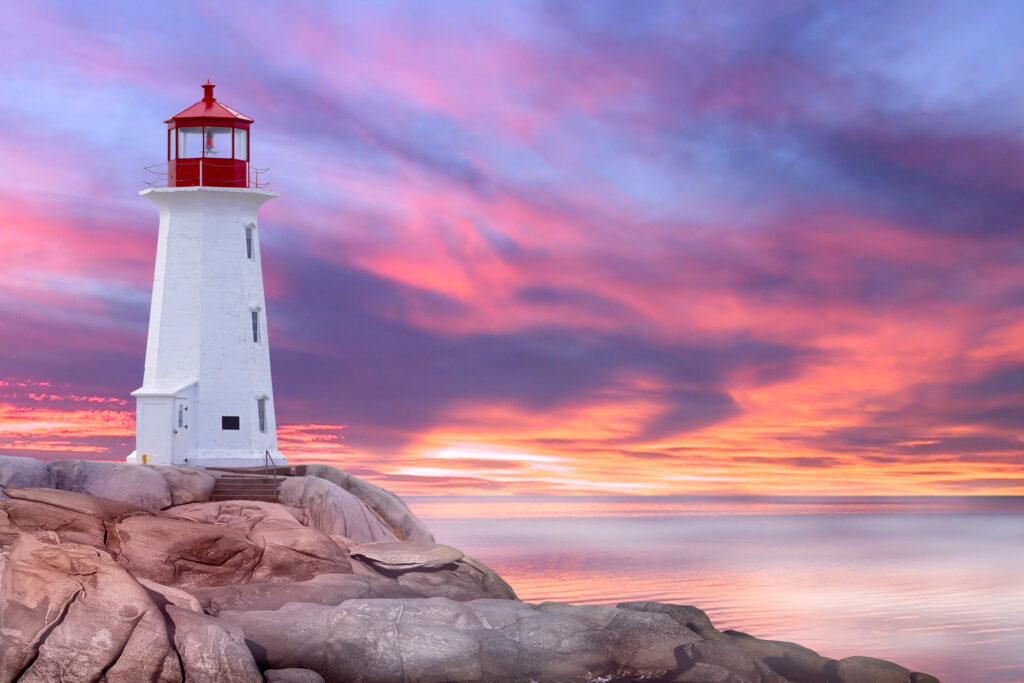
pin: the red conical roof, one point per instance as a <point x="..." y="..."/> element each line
<point x="209" y="108"/>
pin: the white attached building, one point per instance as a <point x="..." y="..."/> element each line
<point x="207" y="398"/>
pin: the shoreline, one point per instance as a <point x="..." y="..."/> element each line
<point x="441" y="596"/>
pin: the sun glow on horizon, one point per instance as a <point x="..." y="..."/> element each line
<point x="748" y="454"/>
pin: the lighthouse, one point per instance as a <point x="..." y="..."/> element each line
<point x="206" y="398"/>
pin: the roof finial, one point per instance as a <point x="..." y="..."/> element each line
<point x="208" y="91"/>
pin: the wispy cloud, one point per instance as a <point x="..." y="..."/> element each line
<point x="550" y="247"/>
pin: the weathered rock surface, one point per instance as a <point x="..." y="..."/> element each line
<point x="133" y="484"/>
<point x="269" y="525"/>
<point x="182" y="553"/>
<point x="176" y="551"/>
<point x="168" y="595"/>
<point x="325" y="589"/>
<point x="407" y="555"/>
<point x="319" y="589"/>
<point x="721" y="654"/>
<point x="187" y="485"/>
<point x="387" y="505"/>
<point x="871" y="670"/>
<point x="439" y="639"/>
<point x="436" y="639"/>
<point x="24" y="473"/>
<point x="103" y="509"/>
<point x="464" y="579"/>
<point x="292" y="676"/>
<point x="210" y="650"/>
<point x="70" y="612"/>
<point x="188" y="554"/>
<point x="62" y="524"/>
<point x="333" y="510"/>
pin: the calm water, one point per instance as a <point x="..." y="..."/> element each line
<point x="935" y="584"/>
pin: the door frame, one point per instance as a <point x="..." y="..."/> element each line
<point x="179" y="430"/>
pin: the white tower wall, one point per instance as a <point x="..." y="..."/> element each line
<point x="202" y="363"/>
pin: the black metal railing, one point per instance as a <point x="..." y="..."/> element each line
<point x="268" y="460"/>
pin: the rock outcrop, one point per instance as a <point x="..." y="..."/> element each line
<point x="333" y="510"/>
<point x="388" y="506"/>
<point x="465" y="578"/>
<point x="330" y="499"/>
<point x="141" y="486"/>
<point x="402" y="556"/>
<point x="24" y="473"/>
<point x="316" y="589"/>
<point x="187" y="485"/>
<point x="68" y="607"/>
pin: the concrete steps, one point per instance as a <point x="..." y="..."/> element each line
<point x="244" y="487"/>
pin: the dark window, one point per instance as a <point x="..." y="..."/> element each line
<point x="256" y="326"/>
<point x="248" y="241"/>
<point x="229" y="422"/>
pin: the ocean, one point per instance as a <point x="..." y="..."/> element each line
<point x="933" y="583"/>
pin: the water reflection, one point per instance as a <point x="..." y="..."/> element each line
<point x="932" y="583"/>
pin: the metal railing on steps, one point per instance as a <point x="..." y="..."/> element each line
<point x="268" y="460"/>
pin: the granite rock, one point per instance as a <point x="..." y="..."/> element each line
<point x="93" y="588"/>
<point x="168" y="595"/>
<point x="133" y="484"/>
<point x="325" y="589"/>
<point x="210" y="650"/>
<point x="868" y="670"/>
<point x="292" y="676"/>
<point x="187" y="485"/>
<point x="392" y="509"/>
<point x="67" y="607"/>
<point x="270" y="526"/>
<point x="333" y="510"/>
<point x="429" y="569"/>
<point x="440" y="639"/>
<point x="401" y="555"/>
<point x="18" y="472"/>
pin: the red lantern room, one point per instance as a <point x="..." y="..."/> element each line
<point x="208" y="145"/>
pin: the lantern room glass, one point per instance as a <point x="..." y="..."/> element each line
<point x="217" y="142"/>
<point x="190" y="142"/>
<point x="241" y="144"/>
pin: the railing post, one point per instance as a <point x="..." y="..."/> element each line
<point x="267" y="459"/>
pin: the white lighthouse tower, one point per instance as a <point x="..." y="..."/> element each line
<point x="206" y="398"/>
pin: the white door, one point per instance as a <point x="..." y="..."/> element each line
<point x="180" y="431"/>
<point x="154" y="440"/>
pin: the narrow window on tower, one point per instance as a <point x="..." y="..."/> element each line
<point x="256" y="326"/>
<point x="261" y="410"/>
<point x="248" y="242"/>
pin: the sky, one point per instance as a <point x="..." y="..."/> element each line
<point x="550" y="247"/>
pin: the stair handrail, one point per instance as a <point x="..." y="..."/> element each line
<point x="268" y="459"/>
